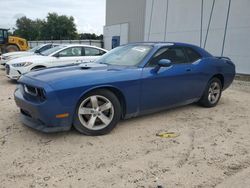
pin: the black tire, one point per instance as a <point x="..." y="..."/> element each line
<point x="12" y="48"/>
<point x="205" y="100"/>
<point x="116" y="109"/>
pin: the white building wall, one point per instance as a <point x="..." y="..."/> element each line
<point x="155" y="11"/>
<point x="131" y="12"/>
<point x="179" y="20"/>
<point x="237" y="44"/>
<point x="115" y="30"/>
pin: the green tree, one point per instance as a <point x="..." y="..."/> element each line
<point x="54" y="27"/>
<point x="59" y="27"/>
<point x="100" y="37"/>
<point x="89" y="36"/>
<point x="26" y="28"/>
<point x="40" y="26"/>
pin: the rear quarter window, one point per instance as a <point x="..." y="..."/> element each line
<point x="93" y="52"/>
<point x="192" y="55"/>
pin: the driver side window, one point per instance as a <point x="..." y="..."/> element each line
<point x="174" y="54"/>
<point x="71" y="52"/>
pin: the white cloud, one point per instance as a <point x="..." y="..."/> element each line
<point x="89" y="14"/>
<point x="19" y="15"/>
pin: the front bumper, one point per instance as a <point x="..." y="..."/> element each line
<point x="42" y="115"/>
<point x="12" y="73"/>
<point x="37" y="125"/>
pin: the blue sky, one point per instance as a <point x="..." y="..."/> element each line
<point x="89" y="15"/>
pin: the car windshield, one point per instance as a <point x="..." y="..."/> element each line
<point x="129" y="55"/>
<point x="52" y="50"/>
<point x="35" y="48"/>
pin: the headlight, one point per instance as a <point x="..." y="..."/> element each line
<point x="23" y="64"/>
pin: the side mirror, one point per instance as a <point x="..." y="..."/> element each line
<point x="164" y="63"/>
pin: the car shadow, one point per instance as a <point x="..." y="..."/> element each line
<point x="51" y="136"/>
<point x="14" y="82"/>
<point x="160" y="113"/>
<point x="128" y="122"/>
<point x="74" y="132"/>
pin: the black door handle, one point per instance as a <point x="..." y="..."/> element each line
<point x="188" y="69"/>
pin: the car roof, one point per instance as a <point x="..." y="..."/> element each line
<point x="82" y="45"/>
<point x="159" y="43"/>
<point x="46" y="44"/>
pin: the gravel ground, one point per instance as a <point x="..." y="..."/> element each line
<point x="212" y="149"/>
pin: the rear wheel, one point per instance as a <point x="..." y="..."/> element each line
<point x="212" y="93"/>
<point x="12" y="48"/>
<point x="97" y="113"/>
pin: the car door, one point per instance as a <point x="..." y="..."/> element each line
<point x="170" y="86"/>
<point x="70" y="55"/>
<point x="91" y="54"/>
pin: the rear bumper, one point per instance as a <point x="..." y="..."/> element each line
<point x="229" y="77"/>
<point x="42" y="116"/>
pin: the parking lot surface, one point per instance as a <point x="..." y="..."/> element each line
<point x="212" y="149"/>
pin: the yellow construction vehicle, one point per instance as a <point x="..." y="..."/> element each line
<point x="11" y="43"/>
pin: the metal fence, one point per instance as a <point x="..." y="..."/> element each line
<point x="98" y="43"/>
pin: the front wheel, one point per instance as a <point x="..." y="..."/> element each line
<point x="212" y="93"/>
<point x="97" y="113"/>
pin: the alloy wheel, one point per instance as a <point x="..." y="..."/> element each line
<point x="214" y="92"/>
<point x="96" y="112"/>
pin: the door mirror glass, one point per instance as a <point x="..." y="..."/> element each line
<point x="164" y="63"/>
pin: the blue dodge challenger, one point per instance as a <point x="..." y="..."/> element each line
<point x="128" y="81"/>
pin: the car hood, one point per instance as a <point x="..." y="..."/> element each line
<point x="13" y="55"/>
<point x="31" y="58"/>
<point x="81" y="75"/>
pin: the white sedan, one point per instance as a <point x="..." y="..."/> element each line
<point x="36" y="50"/>
<point x="58" y="56"/>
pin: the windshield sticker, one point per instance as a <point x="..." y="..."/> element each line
<point x="139" y="49"/>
